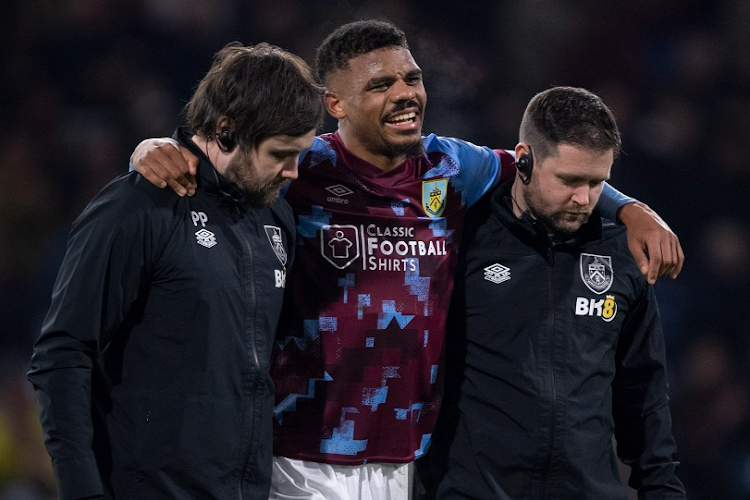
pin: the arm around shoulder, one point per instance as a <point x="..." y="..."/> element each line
<point x="655" y="247"/>
<point x="165" y="163"/>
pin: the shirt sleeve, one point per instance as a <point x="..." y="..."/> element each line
<point x="483" y="169"/>
<point x="480" y="168"/>
<point x="98" y="281"/>
<point x="643" y="422"/>
<point x="610" y="202"/>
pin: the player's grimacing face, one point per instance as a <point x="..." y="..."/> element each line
<point x="383" y="99"/>
<point x="565" y="187"/>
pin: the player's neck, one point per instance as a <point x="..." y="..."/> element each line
<point x="383" y="162"/>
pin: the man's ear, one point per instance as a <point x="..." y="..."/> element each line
<point x="335" y="105"/>
<point x="224" y="123"/>
<point x="522" y="149"/>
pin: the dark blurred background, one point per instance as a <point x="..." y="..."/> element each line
<point x="83" y="81"/>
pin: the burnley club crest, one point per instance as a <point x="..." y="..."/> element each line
<point x="433" y="196"/>
<point x="596" y="272"/>
<point x="274" y="238"/>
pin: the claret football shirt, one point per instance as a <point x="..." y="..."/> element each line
<point x="357" y="362"/>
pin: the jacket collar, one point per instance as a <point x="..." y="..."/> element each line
<point x="534" y="232"/>
<point x="209" y="178"/>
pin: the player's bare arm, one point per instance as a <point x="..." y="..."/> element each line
<point x="654" y="245"/>
<point x="164" y="163"/>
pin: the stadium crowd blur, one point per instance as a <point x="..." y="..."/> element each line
<point x="85" y="80"/>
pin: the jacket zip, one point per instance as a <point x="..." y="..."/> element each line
<point x="553" y="420"/>
<point x="253" y="343"/>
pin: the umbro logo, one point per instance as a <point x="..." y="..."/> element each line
<point x="205" y="238"/>
<point x="496" y="273"/>
<point x="339" y="190"/>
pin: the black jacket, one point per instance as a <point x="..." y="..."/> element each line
<point x="554" y="347"/>
<point x="152" y="366"/>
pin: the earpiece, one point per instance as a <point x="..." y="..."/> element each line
<point x="225" y="141"/>
<point x="525" y="164"/>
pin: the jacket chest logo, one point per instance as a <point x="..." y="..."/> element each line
<point x="277" y="244"/>
<point x="433" y="196"/>
<point x="605" y="308"/>
<point x="496" y="273"/>
<point x="596" y="272"/>
<point x="203" y="236"/>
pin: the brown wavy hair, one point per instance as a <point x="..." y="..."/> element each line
<point x="260" y="91"/>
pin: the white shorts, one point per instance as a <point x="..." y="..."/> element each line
<point x="301" y="479"/>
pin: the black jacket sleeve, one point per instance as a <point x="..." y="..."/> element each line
<point x="643" y="423"/>
<point x="100" y="278"/>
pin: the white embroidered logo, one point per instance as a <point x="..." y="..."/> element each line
<point x="274" y="238"/>
<point x="339" y="244"/>
<point x="597" y="272"/>
<point x="496" y="273"/>
<point x="205" y="238"/>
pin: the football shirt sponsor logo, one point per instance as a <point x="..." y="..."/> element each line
<point x="381" y="248"/>
<point x="339" y="244"/>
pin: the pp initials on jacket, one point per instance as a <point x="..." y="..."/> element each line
<point x="182" y="298"/>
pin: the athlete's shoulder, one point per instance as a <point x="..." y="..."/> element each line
<point x="322" y="140"/>
<point x="463" y="153"/>
<point x="438" y="143"/>
<point x="323" y="148"/>
<point x="473" y="169"/>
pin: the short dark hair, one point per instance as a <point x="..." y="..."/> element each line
<point x="569" y="115"/>
<point x="352" y="40"/>
<point x="261" y="90"/>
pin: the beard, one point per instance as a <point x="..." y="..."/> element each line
<point x="413" y="149"/>
<point x="391" y="149"/>
<point x="566" y="221"/>
<point x="258" y="193"/>
<point x="412" y="145"/>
